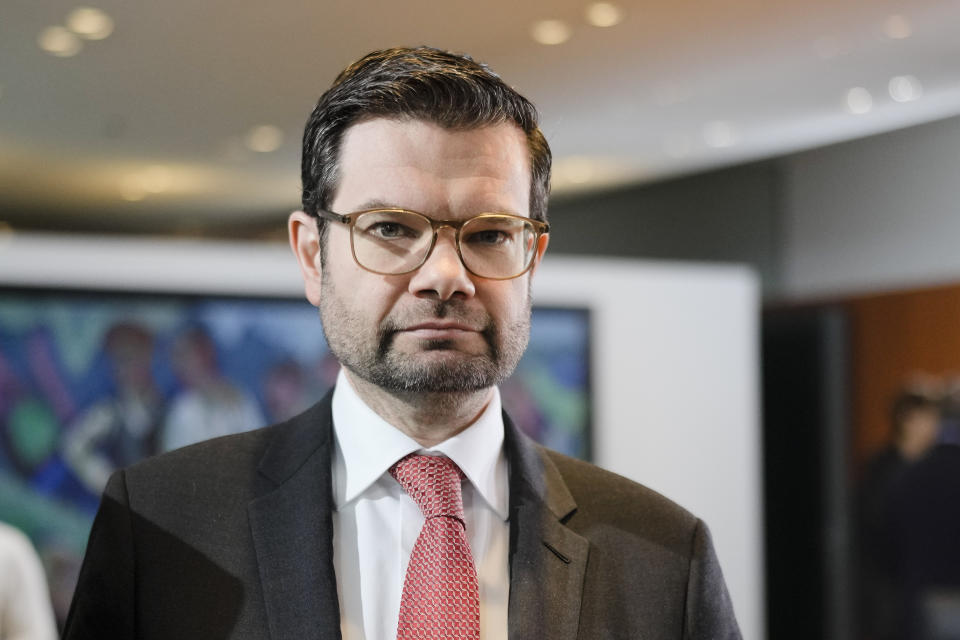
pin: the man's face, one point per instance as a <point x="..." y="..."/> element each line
<point x="919" y="432"/>
<point x="438" y="329"/>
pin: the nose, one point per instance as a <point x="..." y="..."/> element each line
<point x="443" y="275"/>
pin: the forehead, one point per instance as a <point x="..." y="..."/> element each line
<point x="420" y="165"/>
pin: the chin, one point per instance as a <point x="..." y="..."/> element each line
<point x="438" y="345"/>
<point x="439" y="371"/>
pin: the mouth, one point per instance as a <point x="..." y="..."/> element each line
<point x="439" y="330"/>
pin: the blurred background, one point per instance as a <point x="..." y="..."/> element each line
<point x="815" y="143"/>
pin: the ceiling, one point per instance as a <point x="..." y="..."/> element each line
<point x="150" y="128"/>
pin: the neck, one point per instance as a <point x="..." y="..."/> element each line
<point x="428" y="418"/>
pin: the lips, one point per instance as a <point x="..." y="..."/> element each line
<point x="440" y="325"/>
<point x="438" y="330"/>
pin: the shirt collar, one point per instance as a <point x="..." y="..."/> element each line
<point x="367" y="446"/>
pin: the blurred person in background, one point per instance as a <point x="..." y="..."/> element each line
<point x="885" y="531"/>
<point x="209" y="405"/>
<point x="923" y="529"/>
<point x="915" y="422"/>
<point x="286" y="390"/>
<point x="25" y="610"/>
<point x="123" y="428"/>
<point x="915" y="419"/>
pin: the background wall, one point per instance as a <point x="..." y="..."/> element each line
<point x="675" y="394"/>
<point x="872" y="214"/>
<point x="875" y="213"/>
<point x="728" y="215"/>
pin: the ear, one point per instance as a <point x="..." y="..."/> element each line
<point x="305" y="243"/>
<point x="542" y="243"/>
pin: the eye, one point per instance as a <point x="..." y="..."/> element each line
<point x="491" y="237"/>
<point x="390" y="230"/>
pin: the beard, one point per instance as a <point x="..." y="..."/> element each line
<point x="434" y="366"/>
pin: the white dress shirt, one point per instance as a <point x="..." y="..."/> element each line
<point x="376" y="523"/>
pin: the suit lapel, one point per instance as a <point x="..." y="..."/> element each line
<point x="547" y="560"/>
<point x="292" y="527"/>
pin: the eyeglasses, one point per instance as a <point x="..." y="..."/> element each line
<point x="497" y="246"/>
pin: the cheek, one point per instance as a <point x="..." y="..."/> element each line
<point x="338" y="248"/>
<point x="370" y="296"/>
<point x="508" y="301"/>
<point x="341" y="268"/>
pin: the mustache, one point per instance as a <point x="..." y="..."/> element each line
<point x="453" y="310"/>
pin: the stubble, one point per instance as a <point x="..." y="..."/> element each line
<point x="435" y="366"/>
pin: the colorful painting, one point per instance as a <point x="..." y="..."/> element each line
<point x="91" y="382"/>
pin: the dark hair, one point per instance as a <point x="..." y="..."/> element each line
<point x="909" y="401"/>
<point x="125" y="335"/>
<point x="448" y="89"/>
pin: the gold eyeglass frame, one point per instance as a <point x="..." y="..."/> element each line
<point x="540" y="228"/>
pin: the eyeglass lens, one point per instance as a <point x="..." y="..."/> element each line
<point x="492" y="246"/>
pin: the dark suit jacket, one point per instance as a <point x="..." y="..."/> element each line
<point x="232" y="538"/>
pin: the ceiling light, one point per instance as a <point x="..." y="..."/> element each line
<point x="574" y="173"/>
<point x="574" y="170"/>
<point x="859" y="101"/>
<point x="6" y="233"/>
<point x="604" y="14"/>
<point x="58" y="41"/>
<point x="719" y="135"/>
<point x="904" y="88"/>
<point x="131" y="191"/>
<point x="550" y="31"/>
<point x="90" y="23"/>
<point x="264" y="138"/>
<point x="155" y="179"/>
<point x="131" y="188"/>
<point x="138" y="182"/>
<point x="897" y="27"/>
<point x="580" y="171"/>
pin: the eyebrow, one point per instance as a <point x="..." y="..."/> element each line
<point x="376" y="203"/>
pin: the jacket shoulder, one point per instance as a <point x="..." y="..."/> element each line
<point x="275" y="449"/>
<point x="223" y="456"/>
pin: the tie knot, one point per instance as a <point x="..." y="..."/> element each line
<point x="433" y="482"/>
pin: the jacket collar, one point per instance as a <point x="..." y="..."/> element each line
<point x="292" y="527"/>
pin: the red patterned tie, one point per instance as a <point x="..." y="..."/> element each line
<point x="440" y="594"/>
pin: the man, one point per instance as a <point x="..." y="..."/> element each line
<point x="915" y="418"/>
<point x="425" y="181"/>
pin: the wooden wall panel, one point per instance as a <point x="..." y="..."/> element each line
<point x="892" y="337"/>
